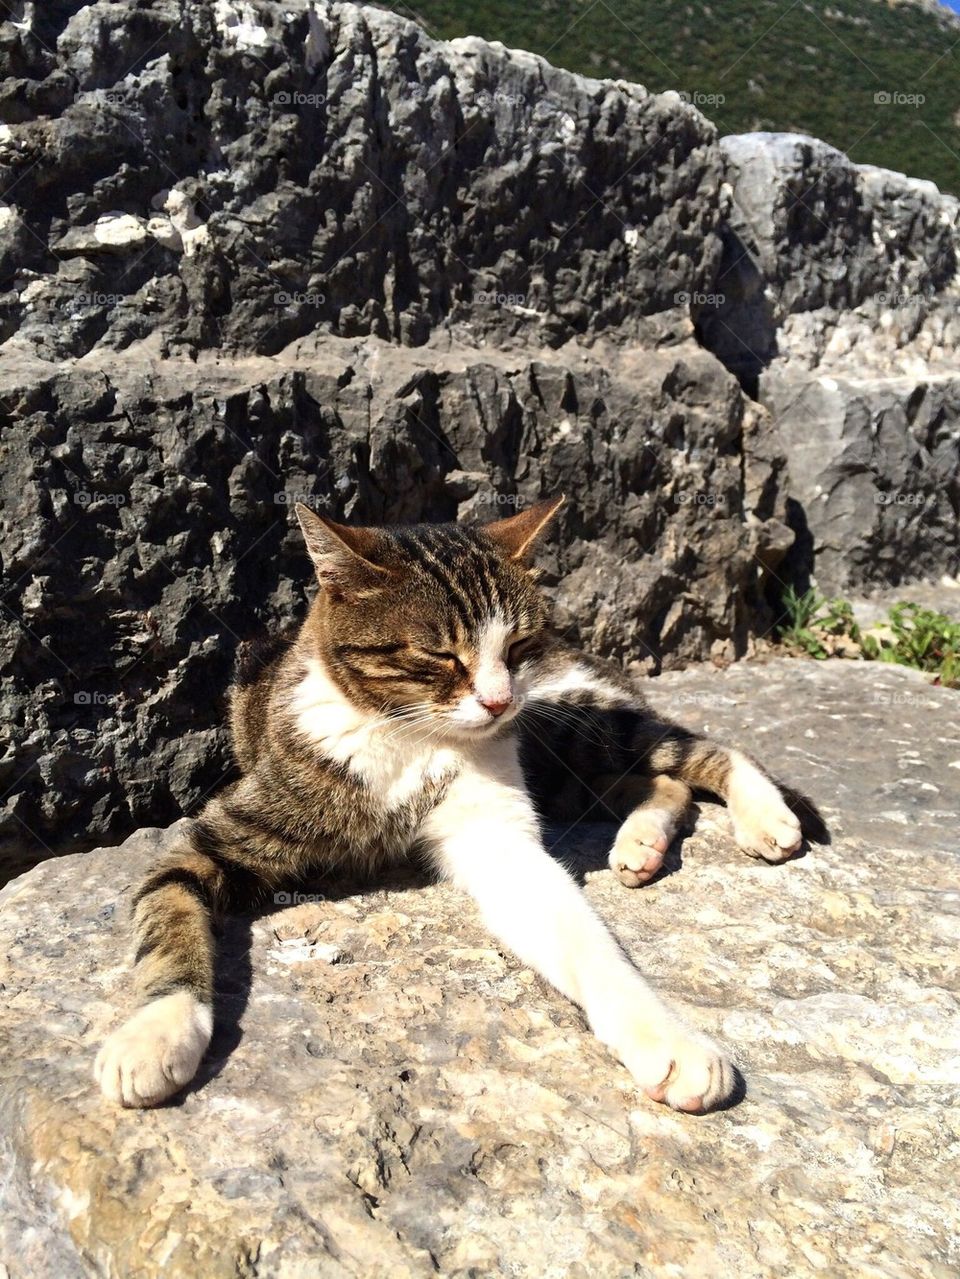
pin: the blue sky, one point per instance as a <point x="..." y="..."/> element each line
<point x="952" y="4"/>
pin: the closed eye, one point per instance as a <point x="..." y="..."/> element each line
<point x="449" y="659"/>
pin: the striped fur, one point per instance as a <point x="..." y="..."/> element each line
<point x="425" y="647"/>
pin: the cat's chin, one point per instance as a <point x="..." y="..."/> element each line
<point x="478" y="732"/>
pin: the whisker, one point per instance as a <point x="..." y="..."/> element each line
<point x="584" y="721"/>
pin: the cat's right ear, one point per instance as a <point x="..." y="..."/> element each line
<point x="340" y="555"/>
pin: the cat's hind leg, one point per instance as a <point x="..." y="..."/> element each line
<point x="655" y="808"/>
<point x="763" y="824"/>
<point x="158" y="1050"/>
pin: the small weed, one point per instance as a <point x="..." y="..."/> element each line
<point x="911" y="635"/>
<point x="918" y="637"/>
<point x="818" y="626"/>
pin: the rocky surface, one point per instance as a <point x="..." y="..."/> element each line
<point x="389" y="1093"/>
<point x="172" y="536"/>
<point x="942" y="596"/>
<point x="237" y="175"/>
<point x="258" y="252"/>
<point x="874" y="468"/>
<point x="832" y="265"/>
<point x="840" y="292"/>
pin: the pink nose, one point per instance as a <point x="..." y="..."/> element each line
<point x="494" y="705"/>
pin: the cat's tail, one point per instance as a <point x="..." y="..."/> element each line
<point x="158" y="1050"/>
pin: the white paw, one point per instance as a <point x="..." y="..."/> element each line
<point x="768" y="830"/>
<point x="681" y="1068"/>
<point x="156" y="1052"/>
<point x="641" y="845"/>
<point x="763" y="825"/>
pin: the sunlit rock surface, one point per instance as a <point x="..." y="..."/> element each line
<point x="388" y="1093"/>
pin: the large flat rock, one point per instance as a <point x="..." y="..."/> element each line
<point x="389" y="1094"/>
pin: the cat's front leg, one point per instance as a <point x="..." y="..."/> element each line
<point x="485" y="836"/>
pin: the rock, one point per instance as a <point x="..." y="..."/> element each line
<point x="306" y="283"/>
<point x="833" y="266"/>
<point x="259" y="252"/>
<point x="942" y="596"/>
<point x="874" y="469"/>
<point x="838" y="299"/>
<point x="155" y="527"/>
<point x="405" y="1099"/>
<point x="381" y="182"/>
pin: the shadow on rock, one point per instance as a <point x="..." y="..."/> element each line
<point x="812" y="822"/>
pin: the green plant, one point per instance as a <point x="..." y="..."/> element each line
<point x="919" y="637"/>
<point x="811" y="619"/>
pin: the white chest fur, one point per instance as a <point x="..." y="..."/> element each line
<point x="393" y="759"/>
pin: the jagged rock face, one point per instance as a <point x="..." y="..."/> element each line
<point x="193" y="188"/>
<point x="833" y="265"/>
<point x="841" y="305"/>
<point x="256" y="251"/>
<point x="388" y="1093"/>
<point x="875" y="470"/>
<point x="172" y="493"/>
<point x="239" y="176"/>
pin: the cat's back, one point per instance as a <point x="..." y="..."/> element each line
<point x="256" y="669"/>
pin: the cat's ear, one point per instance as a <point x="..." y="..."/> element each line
<point x="341" y="554"/>
<point x="517" y="535"/>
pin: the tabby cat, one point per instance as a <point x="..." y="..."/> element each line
<point x="402" y="715"/>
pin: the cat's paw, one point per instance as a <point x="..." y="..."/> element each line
<point x="641" y="845"/>
<point x="156" y="1052"/>
<point x="768" y="830"/>
<point x="763" y="825"/>
<point x="680" y="1068"/>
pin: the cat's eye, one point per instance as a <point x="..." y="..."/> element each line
<point x="520" y="649"/>
<point x="449" y="659"/>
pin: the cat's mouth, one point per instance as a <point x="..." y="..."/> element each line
<point x="487" y="726"/>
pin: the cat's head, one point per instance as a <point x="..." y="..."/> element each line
<point x="438" y="621"/>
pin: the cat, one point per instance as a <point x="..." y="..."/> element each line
<point x="424" y="704"/>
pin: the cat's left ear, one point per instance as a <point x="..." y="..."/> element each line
<point x="517" y="535"/>
<point x="341" y="555"/>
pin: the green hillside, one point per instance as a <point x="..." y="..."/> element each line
<point x="809" y="66"/>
